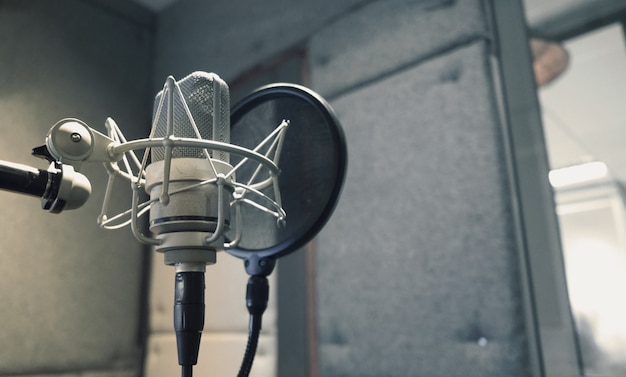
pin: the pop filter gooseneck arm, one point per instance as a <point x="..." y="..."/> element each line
<point x="257" y="297"/>
<point x="312" y="166"/>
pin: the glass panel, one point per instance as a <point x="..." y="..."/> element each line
<point x="584" y="116"/>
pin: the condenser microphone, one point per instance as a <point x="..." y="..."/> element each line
<point x="60" y="187"/>
<point x="201" y="202"/>
<point x="191" y="222"/>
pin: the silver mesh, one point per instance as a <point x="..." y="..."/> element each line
<point x="208" y="99"/>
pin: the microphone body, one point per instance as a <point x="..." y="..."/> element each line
<point x="189" y="215"/>
<point x="60" y="187"/>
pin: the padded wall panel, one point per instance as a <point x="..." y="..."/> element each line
<point x="385" y="36"/>
<point x="71" y="292"/>
<point x="417" y="271"/>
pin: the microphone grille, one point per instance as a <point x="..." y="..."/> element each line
<point x="207" y="97"/>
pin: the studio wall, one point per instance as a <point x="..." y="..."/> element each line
<point x="72" y="294"/>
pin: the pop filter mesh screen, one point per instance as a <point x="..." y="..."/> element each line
<point x="312" y="163"/>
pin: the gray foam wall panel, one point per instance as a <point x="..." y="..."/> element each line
<point x="417" y="271"/>
<point x="386" y="36"/>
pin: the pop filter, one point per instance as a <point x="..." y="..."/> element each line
<point x="312" y="166"/>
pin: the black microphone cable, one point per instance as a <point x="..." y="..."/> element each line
<point x="257" y="296"/>
<point x="188" y="316"/>
<point x="187" y="371"/>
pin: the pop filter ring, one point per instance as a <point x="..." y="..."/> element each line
<point x="297" y="92"/>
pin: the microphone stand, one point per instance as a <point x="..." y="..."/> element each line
<point x="60" y="187"/>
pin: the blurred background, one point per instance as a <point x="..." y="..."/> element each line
<point x="480" y="232"/>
